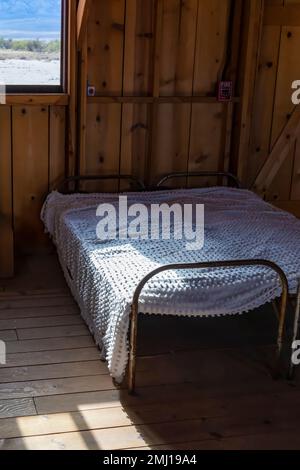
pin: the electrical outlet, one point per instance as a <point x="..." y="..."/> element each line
<point x="91" y="91"/>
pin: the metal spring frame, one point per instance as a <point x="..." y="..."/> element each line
<point x="202" y="174"/>
<point x="217" y="264"/>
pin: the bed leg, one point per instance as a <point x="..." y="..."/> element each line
<point x="282" y="317"/>
<point x="133" y="349"/>
<point x="295" y="332"/>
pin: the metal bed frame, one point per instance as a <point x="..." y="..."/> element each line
<point x="221" y="264"/>
<point x="216" y="265"/>
<point x="134" y="315"/>
<point x="76" y="180"/>
<point x="201" y="174"/>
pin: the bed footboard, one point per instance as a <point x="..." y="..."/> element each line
<point x="295" y="331"/>
<point x="216" y="265"/>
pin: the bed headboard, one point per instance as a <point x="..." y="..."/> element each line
<point x="76" y="180"/>
<point x="137" y="183"/>
<point x="201" y="174"/>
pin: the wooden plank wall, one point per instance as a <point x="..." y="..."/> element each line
<point x="279" y="66"/>
<point x="155" y="65"/>
<point x="162" y="49"/>
<point x="32" y="161"/>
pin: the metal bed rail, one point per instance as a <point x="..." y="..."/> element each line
<point x="78" y="179"/>
<point x="207" y="265"/>
<point x="200" y="174"/>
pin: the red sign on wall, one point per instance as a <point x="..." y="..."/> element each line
<point x="225" y="91"/>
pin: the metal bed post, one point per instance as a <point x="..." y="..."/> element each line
<point x="216" y="264"/>
<point x="295" y="331"/>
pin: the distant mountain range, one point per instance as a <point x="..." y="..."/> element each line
<point x="30" y="19"/>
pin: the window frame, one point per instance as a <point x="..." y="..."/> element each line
<point x="50" y="89"/>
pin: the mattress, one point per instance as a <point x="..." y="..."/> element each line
<point x="103" y="275"/>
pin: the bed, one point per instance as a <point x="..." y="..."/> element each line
<point x="251" y="257"/>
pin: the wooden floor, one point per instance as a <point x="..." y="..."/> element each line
<point x="55" y="393"/>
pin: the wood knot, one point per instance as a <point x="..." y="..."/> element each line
<point x="138" y="125"/>
<point x="118" y="26"/>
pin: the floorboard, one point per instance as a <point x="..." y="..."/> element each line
<point x="8" y="335"/>
<point x="52" y="357"/>
<point x="65" y="320"/>
<point x="52" y="344"/>
<point x="53" y="332"/>
<point x="63" y="370"/>
<point x="10" y="408"/>
<point x="201" y="384"/>
<point x="33" y="312"/>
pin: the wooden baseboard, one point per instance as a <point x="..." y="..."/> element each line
<point x="6" y="249"/>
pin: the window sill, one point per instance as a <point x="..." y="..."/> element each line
<point x="45" y="99"/>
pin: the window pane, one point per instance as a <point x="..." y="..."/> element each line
<point x="30" y="42"/>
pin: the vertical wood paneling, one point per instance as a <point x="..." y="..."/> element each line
<point x="264" y="102"/>
<point x="211" y="44"/>
<point x="32" y="161"/>
<point x="138" y="53"/>
<point x="31" y="180"/>
<point x="72" y="88"/>
<point x="155" y="48"/>
<point x="5" y="163"/>
<point x="280" y="188"/>
<point x="103" y="137"/>
<point x="279" y="66"/>
<point x="57" y="146"/>
<point x="135" y="134"/>
<point x="288" y="70"/>
<point x="295" y="190"/>
<point x="287" y="182"/>
<point x="205" y="150"/>
<point x="82" y="103"/>
<point x="170" y="147"/>
<point x="171" y="126"/>
<point x="106" y="46"/>
<point x="253" y="17"/>
<point x="177" y="49"/>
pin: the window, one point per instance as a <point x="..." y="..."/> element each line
<point x="31" y="45"/>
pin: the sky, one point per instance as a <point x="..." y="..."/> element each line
<point x="30" y="19"/>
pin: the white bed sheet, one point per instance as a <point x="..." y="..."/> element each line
<point x="103" y="275"/>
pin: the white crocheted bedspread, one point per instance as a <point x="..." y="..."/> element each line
<point x="103" y="275"/>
